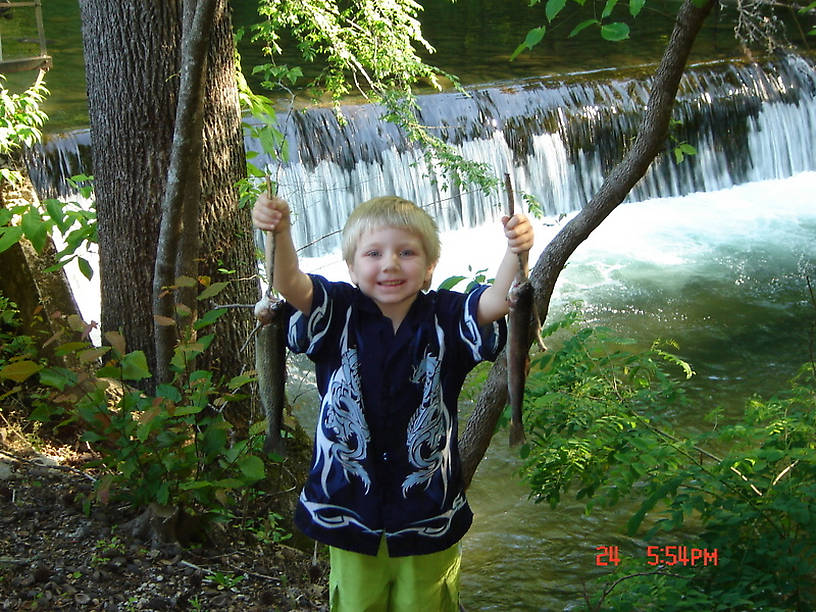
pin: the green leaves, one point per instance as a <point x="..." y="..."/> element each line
<point x="533" y="37"/>
<point x="607" y="10"/>
<point x="76" y="224"/>
<point x="21" y="121"/>
<point x="806" y="9"/>
<point x="173" y="448"/>
<point x="635" y="6"/>
<point x="18" y="371"/>
<point x="134" y="366"/>
<point x="598" y="413"/>
<point x="212" y="290"/>
<point x="370" y="45"/>
<point x="451" y="282"/>
<point x="553" y="8"/>
<point x="615" y="32"/>
<point x="20" y="116"/>
<point x="682" y="150"/>
<point x="35" y="229"/>
<point x="373" y="47"/>
<point x="209" y="318"/>
<point x="9" y="236"/>
<point x="252" y="468"/>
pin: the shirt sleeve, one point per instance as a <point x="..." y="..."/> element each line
<point x="310" y="333"/>
<point x="479" y="343"/>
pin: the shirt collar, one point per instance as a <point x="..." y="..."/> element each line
<point x="418" y="308"/>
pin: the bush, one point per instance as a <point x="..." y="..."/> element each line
<point x="173" y="448"/>
<point x="20" y="122"/>
<point x="14" y="348"/>
<point x="600" y="423"/>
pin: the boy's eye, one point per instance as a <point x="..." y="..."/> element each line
<point x="372" y="253"/>
<point x="407" y="252"/>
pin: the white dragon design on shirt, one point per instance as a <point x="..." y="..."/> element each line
<point x="342" y="435"/>
<point x="430" y="429"/>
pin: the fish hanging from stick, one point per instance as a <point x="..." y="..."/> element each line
<point x="520" y="328"/>
<point x="270" y="352"/>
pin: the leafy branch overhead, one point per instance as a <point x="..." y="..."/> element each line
<point x="609" y="30"/>
<point x="757" y="22"/>
<point x="372" y="42"/>
<point x="371" y="48"/>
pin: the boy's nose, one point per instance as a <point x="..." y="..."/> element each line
<point x="390" y="262"/>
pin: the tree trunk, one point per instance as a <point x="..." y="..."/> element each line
<point x="132" y="56"/>
<point x="651" y="136"/>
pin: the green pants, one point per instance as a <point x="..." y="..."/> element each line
<point x="363" y="583"/>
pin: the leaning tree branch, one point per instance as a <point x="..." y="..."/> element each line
<point x="650" y="139"/>
<point x="180" y="204"/>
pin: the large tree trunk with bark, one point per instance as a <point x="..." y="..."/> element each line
<point x="650" y="139"/>
<point x="132" y="56"/>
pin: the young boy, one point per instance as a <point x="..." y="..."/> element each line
<point x="385" y="490"/>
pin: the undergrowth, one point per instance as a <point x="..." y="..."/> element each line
<point x="599" y="417"/>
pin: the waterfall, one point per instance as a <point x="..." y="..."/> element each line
<point x="56" y="159"/>
<point x="557" y="137"/>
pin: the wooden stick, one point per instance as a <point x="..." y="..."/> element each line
<point x="269" y="246"/>
<point x="508" y="187"/>
<point x="523" y="273"/>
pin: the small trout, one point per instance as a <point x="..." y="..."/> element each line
<point x="522" y="305"/>
<point x="270" y="365"/>
<point x="270" y="351"/>
<point x="518" y="353"/>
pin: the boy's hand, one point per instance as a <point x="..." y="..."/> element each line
<point x="519" y="233"/>
<point x="271" y="214"/>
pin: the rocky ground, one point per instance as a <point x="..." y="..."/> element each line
<point x="58" y="554"/>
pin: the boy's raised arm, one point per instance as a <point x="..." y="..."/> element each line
<point x="272" y="214"/>
<point x="493" y="303"/>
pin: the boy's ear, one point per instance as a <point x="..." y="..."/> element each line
<point x="428" y="274"/>
<point x="352" y="275"/>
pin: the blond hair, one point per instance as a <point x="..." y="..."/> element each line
<point x="390" y="211"/>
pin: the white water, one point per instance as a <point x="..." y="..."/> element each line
<point x="676" y="237"/>
<point x="556" y="141"/>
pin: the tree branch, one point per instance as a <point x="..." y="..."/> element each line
<point x="650" y="138"/>
<point x="180" y="204"/>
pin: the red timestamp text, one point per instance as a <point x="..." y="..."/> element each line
<point x="662" y="555"/>
<point x="681" y="555"/>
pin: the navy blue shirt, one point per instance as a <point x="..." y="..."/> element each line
<point x="386" y="459"/>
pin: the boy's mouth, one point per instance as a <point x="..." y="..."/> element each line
<point x="391" y="283"/>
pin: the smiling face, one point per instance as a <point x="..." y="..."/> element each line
<point x="390" y="266"/>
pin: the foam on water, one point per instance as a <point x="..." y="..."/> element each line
<point x="667" y="239"/>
